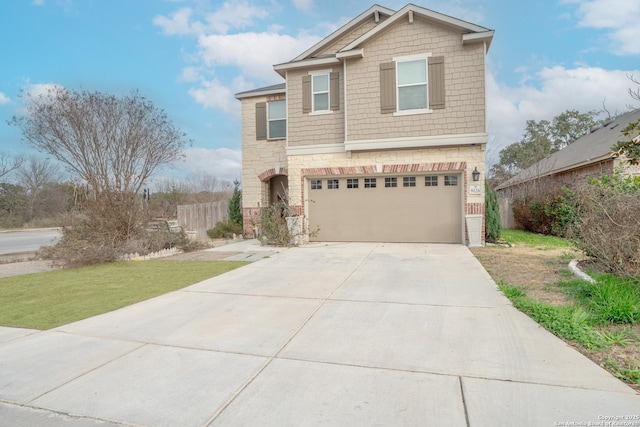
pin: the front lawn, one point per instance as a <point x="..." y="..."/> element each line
<point x="51" y="299"/>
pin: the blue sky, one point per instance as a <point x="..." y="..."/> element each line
<point x="191" y="56"/>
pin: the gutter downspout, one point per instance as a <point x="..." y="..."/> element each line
<point x="344" y="73"/>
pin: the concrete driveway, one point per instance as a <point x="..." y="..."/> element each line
<point x="357" y="334"/>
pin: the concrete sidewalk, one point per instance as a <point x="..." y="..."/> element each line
<point x="355" y="334"/>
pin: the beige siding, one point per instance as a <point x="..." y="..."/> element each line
<point x="309" y="128"/>
<point x="257" y="156"/>
<point x="350" y="36"/>
<point x="464" y="84"/>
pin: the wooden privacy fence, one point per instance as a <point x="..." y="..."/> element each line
<point x="202" y="216"/>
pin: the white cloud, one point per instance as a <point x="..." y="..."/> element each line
<point x="223" y="163"/>
<point x="557" y="89"/>
<point x="234" y="14"/>
<point x="177" y="24"/>
<point x="213" y="94"/>
<point x="4" y="99"/>
<point x="303" y="5"/>
<point x="253" y="53"/>
<point x="620" y="17"/>
<point x="38" y="2"/>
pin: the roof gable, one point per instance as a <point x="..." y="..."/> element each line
<point x="472" y="32"/>
<point x="349" y="26"/>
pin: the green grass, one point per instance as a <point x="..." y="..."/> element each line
<point x="629" y="373"/>
<point x="533" y="239"/>
<point x="572" y="323"/>
<point x="48" y="300"/>
<point x="611" y="299"/>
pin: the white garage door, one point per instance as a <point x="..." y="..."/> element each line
<point x="411" y="208"/>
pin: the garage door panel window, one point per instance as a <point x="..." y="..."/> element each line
<point x="390" y="182"/>
<point x="316" y="184"/>
<point x="409" y="181"/>
<point x="332" y="184"/>
<point x="450" y="180"/>
<point x="369" y="183"/>
<point x="430" y="181"/>
<point x="352" y="183"/>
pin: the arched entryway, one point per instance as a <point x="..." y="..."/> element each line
<point x="278" y="188"/>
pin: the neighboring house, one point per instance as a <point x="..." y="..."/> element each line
<point x="588" y="157"/>
<point x="376" y="131"/>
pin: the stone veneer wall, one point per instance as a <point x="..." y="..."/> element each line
<point x="260" y="160"/>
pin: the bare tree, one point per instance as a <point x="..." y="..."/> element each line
<point x="113" y="144"/>
<point x="34" y="175"/>
<point x="8" y="164"/>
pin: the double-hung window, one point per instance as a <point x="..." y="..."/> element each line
<point x="412" y="84"/>
<point x="277" y="119"/>
<point x="320" y="92"/>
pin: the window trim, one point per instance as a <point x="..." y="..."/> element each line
<point x="269" y="120"/>
<point x="331" y="182"/>
<point x="397" y="60"/>
<point x="409" y="181"/>
<point x="373" y="183"/>
<point x="315" y="184"/>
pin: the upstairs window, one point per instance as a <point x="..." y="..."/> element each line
<point x="320" y="91"/>
<point x="412" y="84"/>
<point x="277" y="119"/>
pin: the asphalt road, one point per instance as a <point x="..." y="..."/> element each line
<point x="27" y="241"/>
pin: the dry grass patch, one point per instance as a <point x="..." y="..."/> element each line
<point x="536" y="274"/>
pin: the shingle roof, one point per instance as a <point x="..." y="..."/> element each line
<point x="590" y="148"/>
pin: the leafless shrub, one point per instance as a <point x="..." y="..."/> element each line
<point x="609" y="228"/>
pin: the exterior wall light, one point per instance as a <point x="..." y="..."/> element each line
<point x="475" y="174"/>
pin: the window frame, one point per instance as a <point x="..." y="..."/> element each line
<point x="269" y="119"/>
<point x="410" y="58"/>
<point x="353" y="183"/>
<point x="333" y="184"/>
<point x="316" y="184"/>
<point x="370" y="183"/>
<point x="327" y="75"/>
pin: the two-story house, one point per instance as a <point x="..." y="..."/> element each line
<point x="378" y="132"/>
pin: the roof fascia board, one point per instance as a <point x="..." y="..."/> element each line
<point x="343" y="30"/>
<point x="281" y="68"/>
<point x="355" y="53"/>
<point x="478" y="37"/>
<point x="533" y="177"/>
<point x="458" y="23"/>
<point x="254" y="93"/>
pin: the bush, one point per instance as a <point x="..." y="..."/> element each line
<point x="224" y="229"/>
<point x="273" y="225"/>
<point x="550" y="214"/>
<point x="493" y="224"/>
<point x="235" y="205"/>
<point x="609" y="225"/>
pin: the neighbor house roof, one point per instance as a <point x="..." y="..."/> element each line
<point x="471" y="33"/>
<point x="591" y="148"/>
